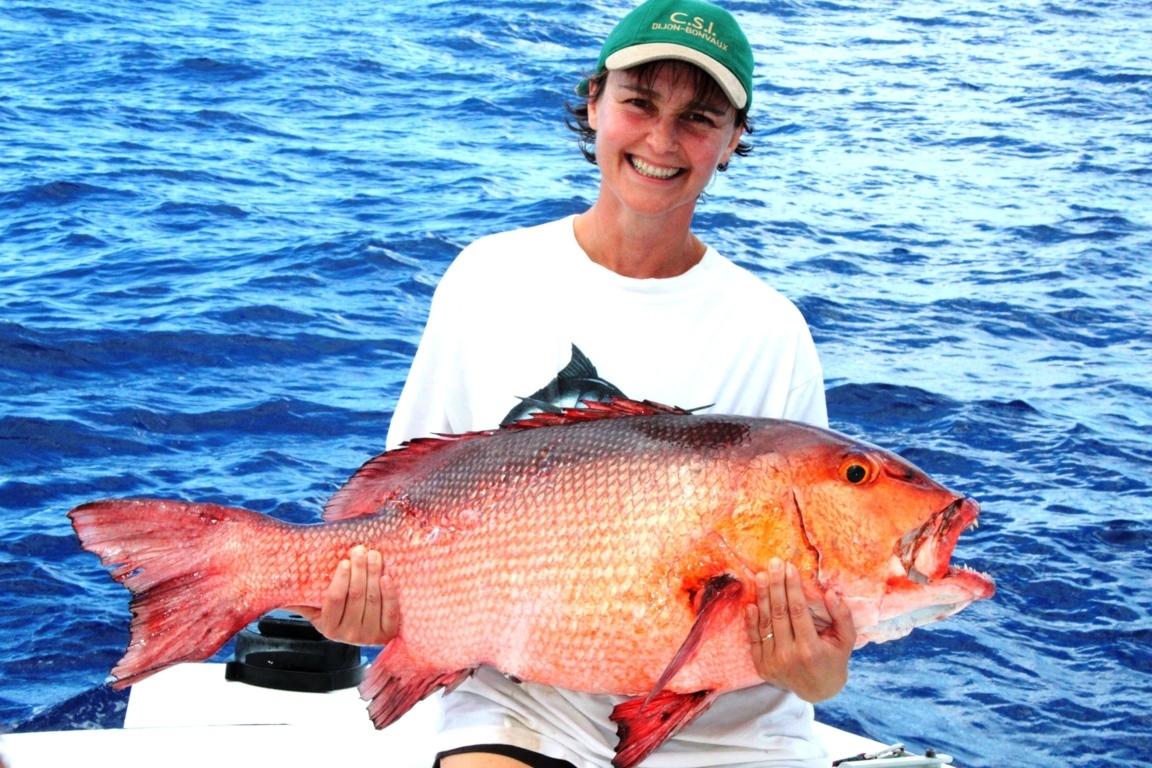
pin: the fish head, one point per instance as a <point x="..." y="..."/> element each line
<point x="879" y="531"/>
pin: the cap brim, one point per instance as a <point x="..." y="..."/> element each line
<point x="646" y="52"/>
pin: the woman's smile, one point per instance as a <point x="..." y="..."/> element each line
<point x="652" y="170"/>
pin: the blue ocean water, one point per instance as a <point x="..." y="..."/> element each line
<point x="221" y="224"/>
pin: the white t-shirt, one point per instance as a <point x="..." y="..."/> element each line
<point x="503" y="322"/>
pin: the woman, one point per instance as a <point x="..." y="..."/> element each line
<point x="660" y="316"/>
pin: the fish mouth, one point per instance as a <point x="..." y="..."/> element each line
<point x="925" y="552"/>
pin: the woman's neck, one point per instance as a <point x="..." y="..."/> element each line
<point x="638" y="246"/>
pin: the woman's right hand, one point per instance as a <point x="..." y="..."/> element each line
<point x="360" y="605"/>
<point x="787" y="649"/>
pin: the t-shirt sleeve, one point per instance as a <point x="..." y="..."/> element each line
<point x="432" y="387"/>
<point x="806" y="401"/>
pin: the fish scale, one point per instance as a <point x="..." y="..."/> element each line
<point x="609" y="549"/>
<point x="521" y="550"/>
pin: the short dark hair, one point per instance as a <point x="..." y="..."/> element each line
<point x="706" y="89"/>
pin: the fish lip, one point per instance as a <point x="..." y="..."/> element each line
<point x="925" y="552"/>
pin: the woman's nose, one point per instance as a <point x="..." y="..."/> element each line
<point x="662" y="135"/>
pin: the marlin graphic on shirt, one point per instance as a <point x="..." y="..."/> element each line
<point x="576" y="383"/>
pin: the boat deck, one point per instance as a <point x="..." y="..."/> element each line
<point x="190" y="715"/>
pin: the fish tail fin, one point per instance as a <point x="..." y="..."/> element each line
<point x="184" y="565"/>
<point x="643" y="724"/>
<point x="396" y="682"/>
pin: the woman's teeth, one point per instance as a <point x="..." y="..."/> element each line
<point x="651" y="171"/>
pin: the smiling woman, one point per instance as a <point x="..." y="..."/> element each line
<point x="666" y="108"/>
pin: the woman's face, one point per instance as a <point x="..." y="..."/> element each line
<point x="656" y="145"/>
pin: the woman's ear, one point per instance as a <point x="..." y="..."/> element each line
<point x="592" y="105"/>
<point x="726" y="155"/>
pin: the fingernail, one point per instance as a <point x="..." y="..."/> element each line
<point x="345" y="565"/>
<point x="373" y="557"/>
<point x="358" y="550"/>
<point x="792" y="570"/>
<point x="775" y="564"/>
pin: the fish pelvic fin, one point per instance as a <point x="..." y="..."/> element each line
<point x="643" y="724"/>
<point x="182" y="565"/>
<point x="714" y="605"/>
<point x="396" y="682"/>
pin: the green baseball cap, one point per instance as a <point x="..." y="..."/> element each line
<point x="687" y="30"/>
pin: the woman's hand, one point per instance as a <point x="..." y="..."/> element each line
<point x="786" y="648"/>
<point x="360" y="605"/>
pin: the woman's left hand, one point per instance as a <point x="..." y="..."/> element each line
<point x="787" y="649"/>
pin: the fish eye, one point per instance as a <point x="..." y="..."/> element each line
<point x="856" y="470"/>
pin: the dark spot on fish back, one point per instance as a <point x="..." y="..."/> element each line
<point x="693" y="432"/>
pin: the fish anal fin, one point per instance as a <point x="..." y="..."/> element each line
<point x="395" y="683"/>
<point x="713" y="604"/>
<point x="642" y="725"/>
<point x="380" y="479"/>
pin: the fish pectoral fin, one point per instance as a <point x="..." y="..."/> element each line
<point x="712" y="603"/>
<point x="643" y="724"/>
<point x="396" y="682"/>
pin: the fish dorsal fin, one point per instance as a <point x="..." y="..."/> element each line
<point x="381" y="478"/>
<point x="593" y="410"/>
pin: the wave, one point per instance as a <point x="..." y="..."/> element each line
<point x="100" y="707"/>
<point x="60" y="193"/>
<point x="206" y="68"/>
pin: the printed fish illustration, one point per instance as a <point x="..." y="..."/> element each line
<point x="608" y="549"/>
<point x="577" y="383"/>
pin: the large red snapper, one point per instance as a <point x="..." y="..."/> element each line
<point x="608" y="550"/>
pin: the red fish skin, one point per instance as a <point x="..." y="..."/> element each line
<point x="483" y="584"/>
<point x="573" y="556"/>
<point x="593" y="599"/>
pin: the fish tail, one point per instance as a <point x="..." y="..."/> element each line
<point x="185" y="565"/>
